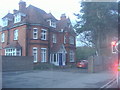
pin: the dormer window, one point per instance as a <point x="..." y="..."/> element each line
<point x="52" y="23"/>
<point x="5" y="22"/>
<point x="17" y="18"/>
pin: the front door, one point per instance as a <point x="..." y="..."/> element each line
<point x="60" y="59"/>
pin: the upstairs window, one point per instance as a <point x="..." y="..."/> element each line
<point x="43" y="34"/>
<point x="71" y="39"/>
<point x="54" y="38"/>
<point x="15" y="34"/>
<point x="71" y="56"/>
<point x="64" y="39"/>
<point x="17" y="18"/>
<point x="5" y="22"/>
<point x="3" y="37"/>
<point x="35" y="33"/>
<point x="52" y="23"/>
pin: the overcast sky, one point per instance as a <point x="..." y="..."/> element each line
<point x="56" y="7"/>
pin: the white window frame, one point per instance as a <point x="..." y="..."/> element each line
<point x="71" y="39"/>
<point x="54" y="38"/>
<point x="43" y="54"/>
<point x="17" y="18"/>
<point x="35" y="31"/>
<point x="3" y="37"/>
<point x="5" y="22"/>
<point x="43" y="34"/>
<point x="64" y="39"/>
<point x="12" y="52"/>
<point x="16" y="34"/>
<point x="72" y="56"/>
<point x="35" y="51"/>
<point x="51" y="23"/>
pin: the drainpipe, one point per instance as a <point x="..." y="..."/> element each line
<point x="49" y="45"/>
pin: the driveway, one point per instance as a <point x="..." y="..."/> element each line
<point x="54" y="79"/>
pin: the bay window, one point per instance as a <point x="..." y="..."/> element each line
<point x="12" y="52"/>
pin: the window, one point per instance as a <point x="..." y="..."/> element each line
<point x="12" y="52"/>
<point x="43" y="34"/>
<point x="71" y="56"/>
<point x="3" y="37"/>
<point x="35" y="54"/>
<point x="64" y="39"/>
<point x="17" y="18"/>
<point x="18" y="52"/>
<point x="35" y="33"/>
<point x="55" y="57"/>
<point x="71" y="40"/>
<point x="43" y="54"/>
<point x="5" y="22"/>
<point x="15" y="34"/>
<point x="52" y="23"/>
<point x="54" y="38"/>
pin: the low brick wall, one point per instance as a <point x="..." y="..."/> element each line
<point x="17" y="63"/>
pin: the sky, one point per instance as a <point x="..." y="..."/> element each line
<point x="56" y="7"/>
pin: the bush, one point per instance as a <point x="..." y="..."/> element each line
<point x="47" y="66"/>
<point x="82" y="53"/>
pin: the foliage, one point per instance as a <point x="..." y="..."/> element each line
<point x="82" y="53"/>
<point x="98" y="17"/>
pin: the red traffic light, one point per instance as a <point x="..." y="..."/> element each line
<point x="113" y="43"/>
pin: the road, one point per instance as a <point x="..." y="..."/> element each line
<point x="54" y="79"/>
<point x="114" y="83"/>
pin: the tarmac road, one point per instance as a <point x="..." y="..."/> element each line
<point x="55" y="79"/>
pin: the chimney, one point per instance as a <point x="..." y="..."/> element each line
<point x="63" y="16"/>
<point x="14" y="11"/>
<point x="22" y="6"/>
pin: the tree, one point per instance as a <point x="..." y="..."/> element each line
<point x="83" y="53"/>
<point x="100" y="18"/>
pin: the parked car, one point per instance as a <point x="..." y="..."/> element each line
<point x="82" y="64"/>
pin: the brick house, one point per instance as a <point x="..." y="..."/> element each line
<point x="31" y="31"/>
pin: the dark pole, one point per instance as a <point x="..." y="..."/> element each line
<point x="118" y="38"/>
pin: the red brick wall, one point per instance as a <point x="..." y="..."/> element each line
<point x="37" y="42"/>
<point x="21" y="38"/>
<point x="39" y="51"/>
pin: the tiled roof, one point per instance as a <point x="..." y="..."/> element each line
<point x="65" y="25"/>
<point x="61" y="24"/>
<point x="49" y="16"/>
<point x="9" y="15"/>
<point x="57" y="48"/>
<point x="35" y="15"/>
<point x="13" y="45"/>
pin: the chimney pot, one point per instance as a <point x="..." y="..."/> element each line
<point x="63" y="16"/>
<point x="22" y="6"/>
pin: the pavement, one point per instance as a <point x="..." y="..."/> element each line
<point x="55" y="79"/>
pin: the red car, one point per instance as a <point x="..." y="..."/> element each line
<point x="82" y="64"/>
